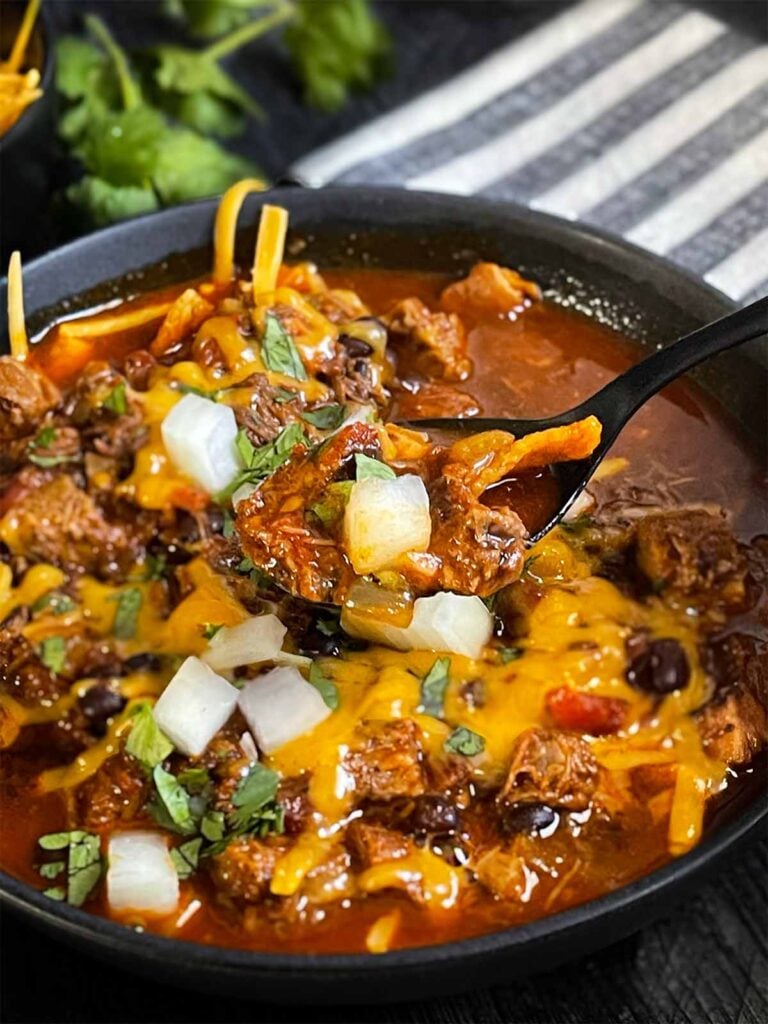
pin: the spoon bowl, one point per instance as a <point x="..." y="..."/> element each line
<point x="616" y="403"/>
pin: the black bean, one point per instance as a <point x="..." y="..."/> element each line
<point x="355" y="346"/>
<point x="145" y="662"/>
<point x="435" y="814"/>
<point x="99" y="704"/>
<point x="528" y="818"/>
<point x="658" y="666"/>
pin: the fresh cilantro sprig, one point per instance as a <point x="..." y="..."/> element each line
<point x="53" y="653"/>
<point x="133" y="159"/>
<point x="464" y="741"/>
<point x="326" y="687"/>
<point x="126" y="619"/>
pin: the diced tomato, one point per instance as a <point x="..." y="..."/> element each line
<point x="585" y="712"/>
<point x="189" y="498"/>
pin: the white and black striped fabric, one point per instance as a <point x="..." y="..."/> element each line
<point x="647" y="119"/>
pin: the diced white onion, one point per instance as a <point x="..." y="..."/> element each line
<point x="141" y="875"/>
<point x="243" y="491"/>
<point x="199" y="436"/>
<point x="444" y="622"/>
<point x="385" y="519"/>
<point x="194" y="706"/>
<point x="248" y="747"/>
<point x="279" y="706"/>
<point x="257" y="639"/>
<point x="358" y="414"/>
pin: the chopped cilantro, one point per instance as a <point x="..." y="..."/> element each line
<point x="330" y="508"/>
<point x="213" y="826"/>
<point x="195" y="780"/>
<point x="433" y="687"/>
<point x="45" y="438"/>
<point x="127" y="614"/>
<point x="261" y="462"/>
<point x="146" y="741"/>
<point x="57" y="892"/>
<point x="326" y="687"/>
<point x="367" y="467"/>
<point x="189" y="389"/>
<point x="279" y="351"/>
<point x="83" y="864"/>
<point x="508" y="654"/>
<point x="251" y="798"/>
<point x="283" y="395"/>
<point x="117" y="401"/>
<point x="210" y="629"/>
<point x="327" y="417"/>
<point x="464" y="741"/>
<point x="53" y="653"/>
<point x="54" y="602"/>
<point x="155" y="566"/>
<point x="174" y="801"/>
<point x="185" y="857"/>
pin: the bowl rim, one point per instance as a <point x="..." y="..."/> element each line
<point x="23" y="897"/>
<point x="47" y="31"/>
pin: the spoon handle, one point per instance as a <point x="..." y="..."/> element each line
<point x="617" y="401"/>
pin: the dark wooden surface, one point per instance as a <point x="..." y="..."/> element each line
<point x="707" y="962"/>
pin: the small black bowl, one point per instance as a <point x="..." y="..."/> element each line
<point x="645" y="297"/>
<point x="27" y="150"/>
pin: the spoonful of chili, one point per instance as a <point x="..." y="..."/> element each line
<point x="617" y="402"/>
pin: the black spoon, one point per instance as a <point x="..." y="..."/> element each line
<point x="618" y="401"/>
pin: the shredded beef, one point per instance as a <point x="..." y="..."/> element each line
<point x="388" y="761"/>
<point x="277" y="535"/>
<point x="244" y="869"/>
<point x="374" y="844"/>
<point x="60" y="523"/>
<point x="115" y="793"/>
<point x="553" y="768"/>
<point x="25" y="397"/>
<point x="692" y="553"/>
<point x="489" y="290"/>
<point x="434" y="343"/>
<point x="734" y="724"/>
<point x="265" y="417"/>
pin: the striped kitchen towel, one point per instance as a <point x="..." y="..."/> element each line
<point x="647" y="119"/>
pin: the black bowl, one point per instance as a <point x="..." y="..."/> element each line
<point x="27" y="150"/>
<point x="648" y="299"/>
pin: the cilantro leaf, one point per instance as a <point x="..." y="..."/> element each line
<point x="155" y="566"/>
<point x="195" y="780"/>
<point x="433" y="687"/>
<point x="195" y="90"/>
<point x="327" y="417"/>
<point x="123" y="148"/>
<point x="330" y="508"/>
<point x="83" y="864"/>
<point x="185" y="857"/>
<point x="279" y="351"/>
<point x="54" y="603"/>
<point x="188" y="167"/>
<point x="367" y="467"/>
<point x="337" y="46"/>
<point x="146" y="741"/>
<point x="174" y="800"/>
<point x="464" y="741"/>
<point x="210" y="629"/>
<point x="508" y="654"/>
<point x="117" y="401"/>
<point x="53" y="653"/>
<point x="211" y="18"/>
<point x="213" y="826"/>
<point x="261" y="462"/>
<point x="45" y="438"/>
<point x="106" y="203"/>
<point x="254" y="792"/>
<point x="326" y="687"/>
<point x="127" y="614"/>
